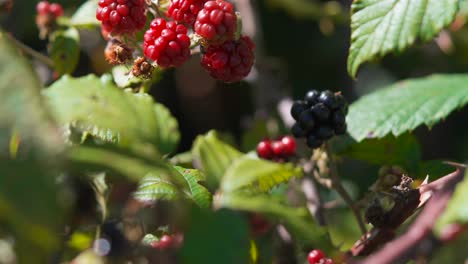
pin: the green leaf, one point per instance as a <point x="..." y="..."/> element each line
<point x="259" y="174"/>
<point x="407" y="104"/>
<point x="152" y="188"/>
<point x="213" y="156"/>
<point x="100" y="109"/>
<point x="31" y="208"/>
<point x="296" y="219"/>
<point x="85" y="16"/>
<point x="379" y="27"/>
<point x="199" y="194"/>
<point x="215" y="237"/>
<point x="133" y="167"/>
<point x="65" y="50"/>
<point x="404" y="151"/>
<point x="456" y="210"/>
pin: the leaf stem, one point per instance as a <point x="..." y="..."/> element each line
<point x="338" y="186"/>
<point x="26" y="49"/>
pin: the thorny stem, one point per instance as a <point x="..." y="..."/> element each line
<point x="26" y="49"/>
<point x="338" y="186"/>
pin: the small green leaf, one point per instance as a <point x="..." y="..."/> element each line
<point x="198" y="193"/>
<point x="379" y="27"/>
<point x="213" y="156"/>
<point x="403" y="151"/>
<point x="216" y="237"/>
<point x="100" y="109"/>
<point x="296" y="219"/>
<point x="407" y="104"/>
<point x="257" y="173"/>
<point x="133" y="167"/>
<point x="456" y="210"/>
<point x="152" y="188"/>
<point x="65" y="50"/>
<point x="85" y="16"/>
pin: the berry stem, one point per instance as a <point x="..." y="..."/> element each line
<point x="26" y="49"/>
<point x="338" y="186"/>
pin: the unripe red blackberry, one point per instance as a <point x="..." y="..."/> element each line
<point x="230" y="61"/>
<point x="167" y="43"/>
<point x="278" y="148"/>
<point x="56" y="10"/>
<point x="289" y="144"/>
<point x="315" y="256"/>
<point x="185" y="11"/>
<point x="264" y="149"/>
<point x="121" y="16"/>
<point x="46" y="17"/>
<point x="216" y="22"/>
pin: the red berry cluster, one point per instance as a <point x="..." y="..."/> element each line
<point x="167" y="241"/>
<point x="44" y="8"/>
<point x="167" y="43"/>
<point x="283" y="148"/>
<point x="318" y="257"/>
<point x="230" y="61"/>
<point x="185" y="11"/>
<point x="121" y="16"/>
<point x="216" y="22"/>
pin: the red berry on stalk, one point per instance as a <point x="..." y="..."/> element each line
<point x="42" y="7"/>
<point x="289" y="144"/>
<point x="216" y="22"/>
<point x="278" y="148"/>
<point x="264" y="149"/>
<point x="185" y="11"/>
<point x="167" y="43"/>
<point x="164" y="242"/>
<point x="121" y="16"/>
<point x="56" y="10"/>
<point x="315" y="256"/>
<point x="230" y="61"/>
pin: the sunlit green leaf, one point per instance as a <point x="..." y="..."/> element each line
<point x="99" y="108"/>
<point x="407" y="104"/>
<point x="213" y="156"/>
<point x="257" y="173"/>
<point x="379" y="27"/>
<point x="85" y="16"/>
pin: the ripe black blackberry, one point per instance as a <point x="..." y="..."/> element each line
<point x="320" y="116"/>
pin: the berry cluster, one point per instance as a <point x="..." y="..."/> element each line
<point x="318" y="257"/>
<point x="167" y="241"/>
<point x="44" y="8"/>
<point x="121" y="16"/>
<point x="225" y="55"/>
<point x="167" y="43"/>
<point x="320" y="116"/>
<point x="46" y="18"/>
<point x="216" y="22"/>
<point x="185" y="11"/>
<point x="280" y="149"/>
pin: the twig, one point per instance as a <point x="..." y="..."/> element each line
<point x="336" y="184"/>
<point x="26" y="49"/>
<point x="411" y="243"/>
